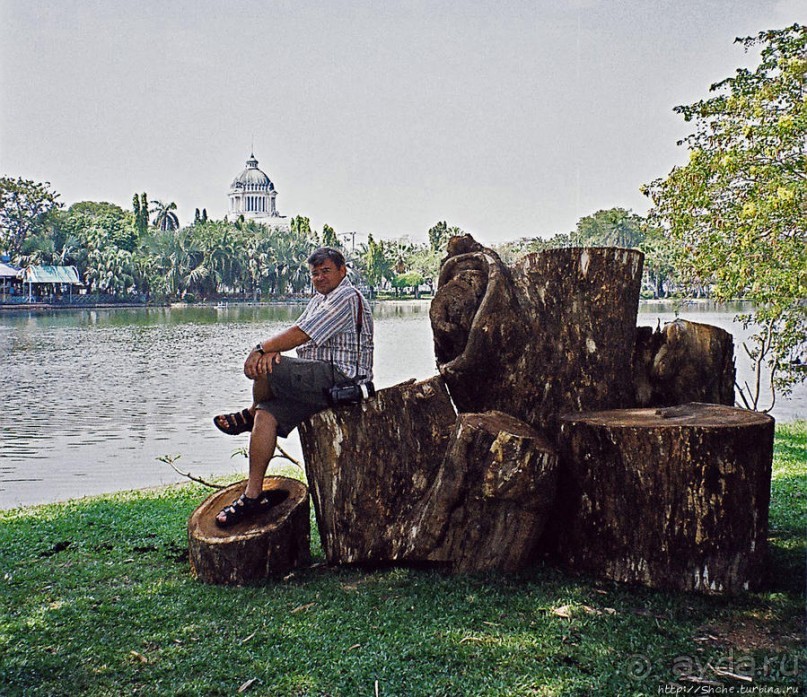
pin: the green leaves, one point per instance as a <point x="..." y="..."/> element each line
<point x="736" y="211"/>
<point x="439" y="235"/>
<point x="24" y="206"/>
<point x="164" y="216"/>
<point x="615" y="227"/>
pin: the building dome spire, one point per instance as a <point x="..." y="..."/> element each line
<point x="252" y="195"/>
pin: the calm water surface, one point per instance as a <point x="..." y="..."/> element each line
<point x="91" y="398"/>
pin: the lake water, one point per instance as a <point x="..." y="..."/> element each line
<point x="91" y="398"/>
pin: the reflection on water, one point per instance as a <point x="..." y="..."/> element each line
<point x="92" y="397"/>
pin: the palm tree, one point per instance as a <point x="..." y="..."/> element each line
<point x="54" y="251"/>
<point x="291" y="249"/>
<point x="177" y="257"/>
<point x="164" y="216"/>
<point x="259" y="264"/>
<point x="111" y="270"/>
<point x="218" y="269"/>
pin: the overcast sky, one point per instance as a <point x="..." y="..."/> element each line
<point x="509" y="118"/>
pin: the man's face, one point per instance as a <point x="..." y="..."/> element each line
<point x="327" y="276"/>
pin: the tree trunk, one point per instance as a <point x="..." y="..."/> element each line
<point x="490" y="499"/>
<point x="553" y="334"/>
<point x="683" y="362"/>
<point x="254" y="550"/>
<point x="369" y="464"/>
<point x="671" y="498"/>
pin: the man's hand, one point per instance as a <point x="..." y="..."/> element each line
<point x="258" y="364"/>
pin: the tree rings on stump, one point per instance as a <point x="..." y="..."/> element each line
<point x="270" y="543"/>
<point x="671" y="498"/>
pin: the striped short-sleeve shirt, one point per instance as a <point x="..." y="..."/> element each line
<point x="331" y="323"/>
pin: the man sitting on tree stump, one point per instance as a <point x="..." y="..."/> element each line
<point x="334" y="342"/>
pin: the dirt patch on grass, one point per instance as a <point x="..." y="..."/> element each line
<point x="754" y="632"/>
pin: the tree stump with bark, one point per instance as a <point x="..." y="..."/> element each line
<point x="552" y="334"/>
<point x="671" y="498"/>
<point x="252" y="551"/>
<point x="490" y="499"/>
<point x="369" y="464"/>
<point x="683" y="362"/>
<point x="400" y="479"/>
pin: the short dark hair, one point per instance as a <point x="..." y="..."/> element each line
<point x="323" y="254"/>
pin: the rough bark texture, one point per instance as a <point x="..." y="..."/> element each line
<point x="683" y="362"/>
<point x="479" y="330"/>
<point x="553" y="334"/>
<point x="671" y="498"/>
<point x="369" y="464"/>
<point x="252" y="551"/>
<point x="490" y="499"/>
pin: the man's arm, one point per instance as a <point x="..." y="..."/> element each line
<point x="260" y="364"/>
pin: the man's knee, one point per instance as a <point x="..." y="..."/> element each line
<point x="264" y="421"/>
<point x="261" y="389"/>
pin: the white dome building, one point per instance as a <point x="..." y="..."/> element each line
<point x="253" y="195"/>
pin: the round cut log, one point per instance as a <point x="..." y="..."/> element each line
<point x="249" y="552"/>
<point x="672" y="498"/>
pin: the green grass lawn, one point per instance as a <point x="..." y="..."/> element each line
<point x="96" y="598"/>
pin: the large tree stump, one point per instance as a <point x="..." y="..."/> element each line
<point x="490" y="499"/>
<point x="683" y="362"/>
<point x="254" y="550"/>
<point x="671" y="498"/>
<point x="369" y="464"/>
<point x="553" y="334"/>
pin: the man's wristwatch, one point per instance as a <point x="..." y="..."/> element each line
<point x="259" y="349"/>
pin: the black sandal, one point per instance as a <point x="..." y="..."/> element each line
<point x="236" y="423"/>
<point x="244" y="508"/>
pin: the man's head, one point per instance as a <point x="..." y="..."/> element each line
<point x="327" y="267"/>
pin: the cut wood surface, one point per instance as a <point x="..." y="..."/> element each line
<point x="552" y="334"/>
<point x="490" y="498"/>
<point x="683" y="362"/>
<point x="671" y="498"/>
<point x="271" y="543"/>
<point x="369" y="464"/>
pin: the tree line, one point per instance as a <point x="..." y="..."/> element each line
<point x="146" y="252"/>
<point x="619" y="227"/>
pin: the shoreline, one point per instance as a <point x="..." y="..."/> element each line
<point x="213" y="304"/>
<point x="290" y="300"/>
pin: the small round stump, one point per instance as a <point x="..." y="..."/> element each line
<point x="256" y="549"/>
<point x="672" y="498"/>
